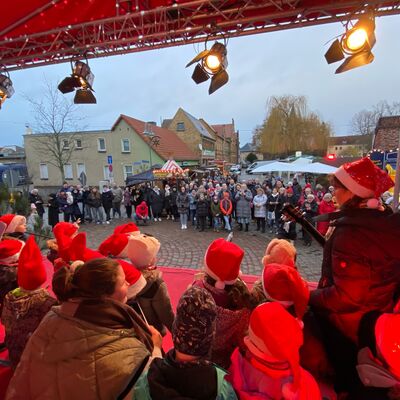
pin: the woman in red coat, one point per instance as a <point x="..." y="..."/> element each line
<point x="361" y="263"/>
<point x="326" y="206"/>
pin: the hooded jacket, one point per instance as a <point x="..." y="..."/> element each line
<point x="360" y="267"/>
<point x="69" y="358"/>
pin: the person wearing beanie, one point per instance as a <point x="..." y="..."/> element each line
<point x="361" y="263"/>
<point x="269" y="365"/>
<point x="142" y="213"/>
<point x="25" y="306"/>
<point x="154" y="299"/>
<point x="378" y="361"/>
<point x="10" y="250"/>
<point x="232" y="297"/>
<point x="15" y="226"/>
<point x="186" y="372"/>
<point x="243" y="208"/>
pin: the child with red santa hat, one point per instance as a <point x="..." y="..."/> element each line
<point x="232" y="297"/>
<point x="269" y="367"/>
<point x="15" y="226"/>
<point x="25" y="306"/>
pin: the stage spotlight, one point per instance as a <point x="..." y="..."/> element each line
<point x="211" y="63"/>
<point x="81" y="79"/>
<point x="6" y="87"/>
<point x="356" y="43"/>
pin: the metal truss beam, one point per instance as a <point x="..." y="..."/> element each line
<point x="175" y="25"/>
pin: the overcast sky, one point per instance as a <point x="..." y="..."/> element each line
<point x="152" y="85"/>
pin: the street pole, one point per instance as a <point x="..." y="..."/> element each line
<point x="397" y="181"/>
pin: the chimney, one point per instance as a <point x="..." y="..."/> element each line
<point x="28" y="130"/>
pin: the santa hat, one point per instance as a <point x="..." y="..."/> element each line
<point x="222" y="262"/>
<point x="64" y="229"/>
<point x="280" y="251"/>
<point x="284" y="284"/>
<point x="10" y="251"/>
<point x="364" y="178"/>
<point x="129" y="228"/>
<point x="274" y="335"/>
<point x="115" y="245"/>
<point x="12" y="221"/>
<point x="31" y="270"/>
<point x="289" y="190"/>
<point x="134" y="277"/>
<point x="143" y="250"/>
<point x="79" y="251"/>
<point x="387" y="334"/>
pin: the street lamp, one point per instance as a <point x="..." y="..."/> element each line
<point x="154" y="141"/>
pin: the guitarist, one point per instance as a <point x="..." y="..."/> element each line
<point x="361" y="264"/>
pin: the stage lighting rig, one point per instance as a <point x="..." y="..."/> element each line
<point x="6" y="87"/>
<point x="81" y="79"/>
<point x="211" y="63"/>
<point x="355" y="45"/>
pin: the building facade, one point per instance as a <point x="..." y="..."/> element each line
<point x="246" y="150"/>
<point x="106" y="155"/>
<point x="352" y="145"/>
<point x="387" y="133"/>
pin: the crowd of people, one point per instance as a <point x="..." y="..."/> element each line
<point x="101" y="335"/>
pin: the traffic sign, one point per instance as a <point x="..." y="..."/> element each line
<point x="109" y="159"/>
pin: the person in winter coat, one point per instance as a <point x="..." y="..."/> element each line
<point x="272" y="203"/>
<point x="36" y="199"/>
<point x="325" y="207"/>
<point x="157" y="203"/>
<point x="268" y="367"/>
<point x="118" y="196"/>
<point x="54" y="210"/>
<point x="182" y="202"/>
<point x="243" y="207"/>
<point x="142" y="212"/>
<point x="77" y="205"/>
<point x="202" y="209"/>
<point x="128" y="202"/>
<point x="310" y="210"/>
<point x="174" y="207"/>
<point x="260" y="209"/>
<point x="92" y="346"/>
<point x="231" y="295"/>
<point x="106" y="200"/>
<point x="226" y="208"/>
<point x="361" y="263"/>
<point x="153" y="298"/>
<point x="94" y="202"/>
<point x="65" y="202"/>
<point x="192" y="207"/>
<point x="215" y="213"/>
<point x="186" y="372"/>
<point x="25" y="306"/>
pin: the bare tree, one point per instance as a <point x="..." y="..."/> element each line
<point x="54" y="115"/>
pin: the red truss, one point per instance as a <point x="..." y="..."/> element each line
<point x="41" y="32"/>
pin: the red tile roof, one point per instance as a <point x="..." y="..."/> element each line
<point x="170" y="145"/>
<point x="225" y="130"/>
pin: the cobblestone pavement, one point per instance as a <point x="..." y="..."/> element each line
<point x="187" y="248"/>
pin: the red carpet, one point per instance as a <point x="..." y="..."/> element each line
<point x="177" y="280"/>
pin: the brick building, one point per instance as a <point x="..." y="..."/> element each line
<point x="387" y="133"/>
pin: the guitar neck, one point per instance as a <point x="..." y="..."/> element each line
<point x="298" y="217"/>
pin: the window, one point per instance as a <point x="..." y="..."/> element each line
<point x="180" y="126"/>
<point x="335" y="147"/>
<point x="126" y="145"/>
<point x="106" y="173"/>
<point x="101" y="144"/>
<point x="80" y="167"/>
<point x="65" y="144"/>
<point x="340" y="147"/>
<point x="68" y="171"/>
<point x="128" y="171"/>
<point x="44" y="171"/>
<point x="78" y="144"/>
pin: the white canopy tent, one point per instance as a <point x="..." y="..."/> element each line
<point x="314" y="168"/>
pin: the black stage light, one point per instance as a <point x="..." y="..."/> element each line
<point x="211" y="63"/>
<point x="81" y="79"/>
<point x="6" y="87"/>
<point x="356" y="43"/>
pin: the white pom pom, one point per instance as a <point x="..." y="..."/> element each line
<point x="373" y="203"/>
<point x="220" y="285"/>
